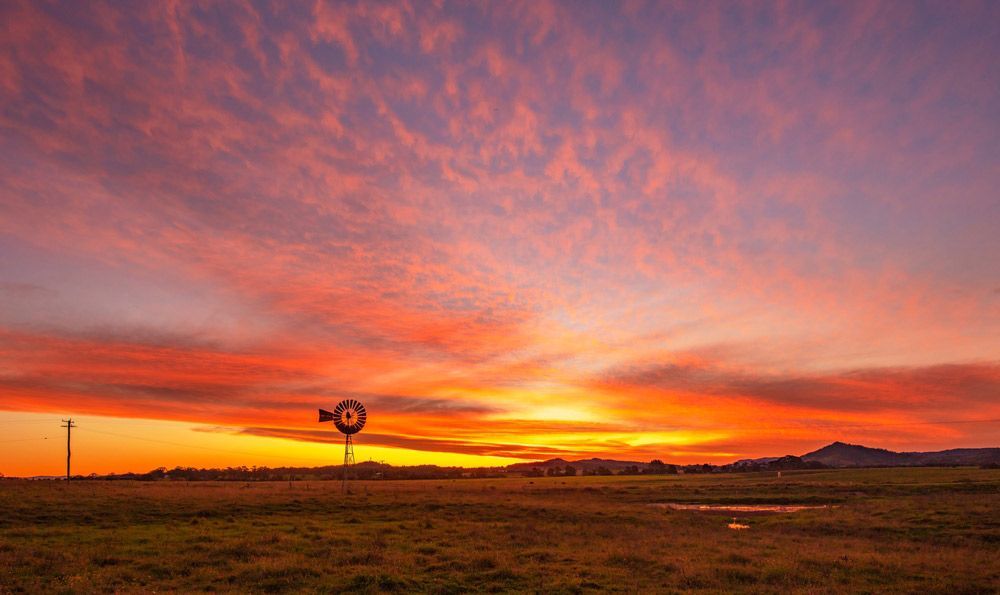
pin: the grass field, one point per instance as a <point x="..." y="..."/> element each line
<point x="892" y="530"/>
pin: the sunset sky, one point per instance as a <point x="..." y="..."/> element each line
<point x="689" y="231"/>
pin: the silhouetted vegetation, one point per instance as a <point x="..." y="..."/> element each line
<point x="361" y="471"/>
<point x="785" y="463"/>
<point x="370" y="470"/>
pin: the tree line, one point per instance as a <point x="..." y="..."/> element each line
<point x="371" y="470"/>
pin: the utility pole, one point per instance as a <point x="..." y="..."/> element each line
<point x="69" y="426"/>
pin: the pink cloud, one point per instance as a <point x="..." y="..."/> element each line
<point x="466" y="198"/>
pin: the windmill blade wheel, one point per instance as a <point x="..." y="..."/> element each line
<point x="349" y="416"/>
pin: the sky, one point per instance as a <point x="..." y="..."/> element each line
<point x="697" y="232"/>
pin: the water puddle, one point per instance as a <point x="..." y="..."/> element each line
<point x="761" y="508"/>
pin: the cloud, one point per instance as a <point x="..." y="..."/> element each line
<point x="411" y="443"/>
<point x="461" y="211"/>
<point x="25" y="291"/>
<point x="939" y="387"/>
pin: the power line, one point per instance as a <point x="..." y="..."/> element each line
<point x="835" y="425"/>
<point x="210" y="448"/>
<point x="825" y="424"/>
<point x="805" y="425"/>
<point x="23" y="440"/>
<point x="131" y="422"/>
<point x="810" y="425"/>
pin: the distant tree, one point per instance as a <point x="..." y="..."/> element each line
<point x="569" y="471"/>
<point x="554" y="472"/>
<point x="602" y="470"/>
<point x="630" y="470"/>
<point x="658" y="467"/>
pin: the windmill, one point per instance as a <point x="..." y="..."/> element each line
<point x="349" y="417"/>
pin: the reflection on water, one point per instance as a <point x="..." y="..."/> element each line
<point x="737" y="526"/>
<point x="739" y="508"/>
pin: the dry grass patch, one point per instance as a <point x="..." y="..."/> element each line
<point x="895" y="530"/>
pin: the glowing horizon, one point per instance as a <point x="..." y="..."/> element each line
<point x="513" y="230"/>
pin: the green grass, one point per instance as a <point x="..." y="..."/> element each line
<point x="892" y="530"/>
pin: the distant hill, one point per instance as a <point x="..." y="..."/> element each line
<point x="840" y="454"/>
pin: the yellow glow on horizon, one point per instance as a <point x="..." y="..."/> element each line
<point x="36" y="445"/>
<point x="678" y="437"/>
<point x="561" y="413"/>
